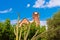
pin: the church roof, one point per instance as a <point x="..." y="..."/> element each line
<point x="26" y="21"/>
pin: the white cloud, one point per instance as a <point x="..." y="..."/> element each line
<point x="39" y="3"/>
<point x="28" y="5"/>
<point x="43" y="23"/>
<point x="6" y="11"/>
<point x="13" y="21"/>
<point x="53" y="3"/>
<point x="50" y="4"/>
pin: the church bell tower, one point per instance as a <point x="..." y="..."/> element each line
<point x="36" y="18"/>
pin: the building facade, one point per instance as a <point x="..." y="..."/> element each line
<point x="35" y="19"/>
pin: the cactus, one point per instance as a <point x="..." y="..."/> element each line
<point x="16" y="28"/>
<point x="26" y="32"/>
<point x="20" y="33"/>
<point x="16" y="32"/>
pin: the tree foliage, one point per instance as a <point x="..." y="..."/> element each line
<point x="25" y="32"/>
<point x="6" y="31"/>
<point x="54" y="22"/>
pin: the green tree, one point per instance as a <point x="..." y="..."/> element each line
<point x="54" y="22"/>
<point x="6" y="31"/>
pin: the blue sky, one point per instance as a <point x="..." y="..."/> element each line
<point x="10" y="8"/>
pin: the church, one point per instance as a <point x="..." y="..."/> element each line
<point x="35" y="19"/>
